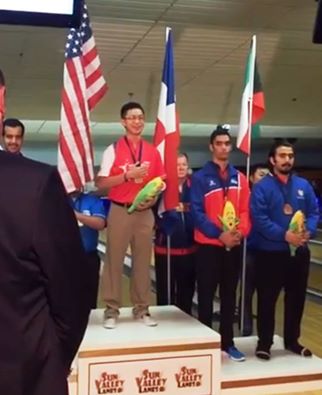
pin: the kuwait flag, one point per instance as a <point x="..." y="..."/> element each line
<point x="253" y="104"/>
<point x="166" y="134"/>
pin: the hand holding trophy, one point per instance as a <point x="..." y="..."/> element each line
<point x="230" y="236"/>
<point x="297" y="235"/>
<point x="149" y="192"/>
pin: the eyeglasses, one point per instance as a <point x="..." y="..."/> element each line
<point x="132" y="118"/>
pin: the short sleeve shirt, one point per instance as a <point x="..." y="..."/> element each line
<point x="92" y="206"/>
<point x="118" y="159"/>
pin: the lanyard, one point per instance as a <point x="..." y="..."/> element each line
<point x="137" y="162"/>
<point x="224" y="183"/>
<point x="286" y="189"/>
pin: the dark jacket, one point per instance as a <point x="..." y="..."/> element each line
<point x="270" y="223"/>
<point x="178" y="224"/>
<point x="43" y="313"/>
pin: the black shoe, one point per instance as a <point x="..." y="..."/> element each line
<point x="262" y="353"/>
<point x="297" y="348"/>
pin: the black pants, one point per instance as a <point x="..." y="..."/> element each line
<point x="93" y="269"/>
<point x="274" y="271"/>
<point x="183" y="279"/>
<point x="249" y="289"/>
<point x="216" y="266"/>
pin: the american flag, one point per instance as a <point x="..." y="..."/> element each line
<point x="84" y="86"/>
<point x="166" y="135"/>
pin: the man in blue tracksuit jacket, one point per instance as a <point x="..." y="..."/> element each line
<point x="274" y="201"/>
<point x="218" y="257"/>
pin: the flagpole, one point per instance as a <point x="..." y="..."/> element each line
<point x="250" y="109"/>
<point x="168" y="270"/>
<point x="166" y="139"/>
<point x="167" y="32"/>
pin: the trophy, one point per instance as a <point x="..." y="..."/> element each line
<point x="297" y="225"/>
<point x="152" y="189"/>
<point x="228" y="219"/>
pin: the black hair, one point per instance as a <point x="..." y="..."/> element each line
<point x="220" y="130"/>
<point x="279" y="143"/>
<point x="257" y="166"/>
<point x="272" y="152"/>
<point x="130" y="106"/>
<point x="13" y="123"/>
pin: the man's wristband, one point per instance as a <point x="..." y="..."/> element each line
<point x="125" y="177"/>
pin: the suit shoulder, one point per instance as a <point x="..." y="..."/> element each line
<point x="24" y="168"/>
<point x="38" y="168"/>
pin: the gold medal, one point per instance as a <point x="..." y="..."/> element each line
<point x="287" y="209"/>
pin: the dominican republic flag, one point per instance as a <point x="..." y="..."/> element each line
<point x="166" y="134"/>
<point x="253" y="103"/>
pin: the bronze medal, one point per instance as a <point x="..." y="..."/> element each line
<point x="287" y="209"/>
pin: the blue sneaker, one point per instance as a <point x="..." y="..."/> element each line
<point x="235" y="355"/>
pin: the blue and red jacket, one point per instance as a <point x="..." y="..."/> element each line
<point x="208" y="195"/>
<point x="178" y="224"/>
<point x="270" y="223"/>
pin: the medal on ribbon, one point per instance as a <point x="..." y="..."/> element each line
<point x="287" y="209"/>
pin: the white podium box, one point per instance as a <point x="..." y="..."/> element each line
<point x="179" y="356"/>
<point x="285" y="372"/>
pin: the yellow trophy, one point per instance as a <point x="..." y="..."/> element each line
<point x="297" y="225"/>
<point x="229" y="219"/>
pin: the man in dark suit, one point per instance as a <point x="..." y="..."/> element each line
<point x="43" y="307"/>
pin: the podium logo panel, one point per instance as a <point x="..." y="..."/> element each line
<point x="188" y="377"/>
<point x="151" y="381"/>
<point x="173" y="375"/>
<point x="109" y="383"/>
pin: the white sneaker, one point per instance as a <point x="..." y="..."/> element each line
<point x="109" y="323"/>
<point x="147" y="320"/>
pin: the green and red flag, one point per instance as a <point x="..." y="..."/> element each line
<point x="253" y="103"/>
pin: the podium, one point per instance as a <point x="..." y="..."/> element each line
<point x="179" y="356"/>
<point x="285" y="372"/>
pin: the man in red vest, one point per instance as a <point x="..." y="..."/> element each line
<point x="127" y="166"/>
